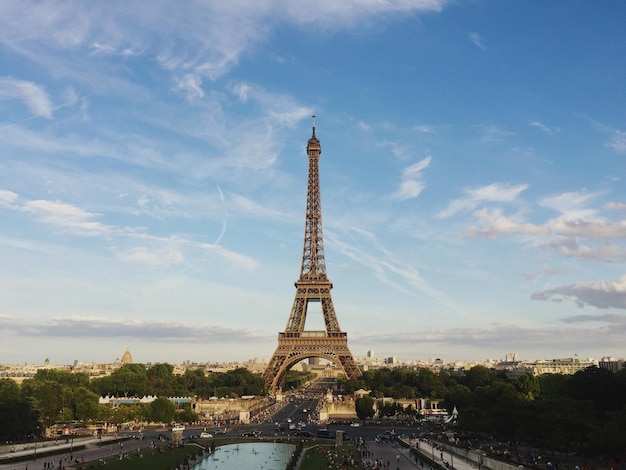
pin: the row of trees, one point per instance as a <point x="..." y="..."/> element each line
<point x="55" y="396"/>
<point x="585" y="411"/>
<point x="159" y="379"/>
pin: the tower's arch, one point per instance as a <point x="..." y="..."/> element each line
<point x="295" y="343"/>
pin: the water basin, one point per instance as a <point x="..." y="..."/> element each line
<point x="252" y="456"/>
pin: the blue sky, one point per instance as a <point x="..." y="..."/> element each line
<point x="153" y="176"/>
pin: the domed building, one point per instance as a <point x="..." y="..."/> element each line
<point x="127" y="358"/>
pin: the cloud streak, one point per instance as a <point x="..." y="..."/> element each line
<point x="151" y="330"/>
<point x="477" y="40"/>
<point x="33" y="96"/>
<point x="473" y="197"/>
<point x="600" y="294"/>
<point x="412" y="183"/>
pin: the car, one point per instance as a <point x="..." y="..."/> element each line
<point x="355" y="425"/>
<point x="206" y="435"/>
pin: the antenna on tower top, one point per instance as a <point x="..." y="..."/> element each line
<point x="314" y="125"/>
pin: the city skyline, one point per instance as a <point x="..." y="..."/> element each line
<point x="153" y="177"/>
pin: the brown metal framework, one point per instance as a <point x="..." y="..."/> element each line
<point x="296" y="344"/>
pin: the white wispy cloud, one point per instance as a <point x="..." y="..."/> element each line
<point x="493" y="133"/>
<point x="191" y="85"/>
<point x="161" y="251"/>
<point x="390" y="271"/>
<point x="153" y="330"/>
<point x="346" y="14"/>
<point x="617" y="142"/>
<point x="572" y="205"/>
<point x="205" y="39"/>
<point x="609" y="253"/>
<point x="574" y="222"/>
<point x="477" y="40"/>
<point x="425" y="129"/>
<point x="33" y="96"/>
<point x="600" y="294"/>
<point x="278" y="107"/>
<point x="364" y="126"/>
<point x="497" y="224"/>
<point x="615" y="206"/>
<point x="574" y="330"/>
<point x="412" y="182"/>
<point x="473" y="197"/>
<point x="164" y="256"/>
<point x="543" y="127"/>
<point x="7" y="198"/>
<point x="66" y="217"/>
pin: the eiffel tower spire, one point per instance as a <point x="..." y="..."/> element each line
<point x="296" y="343"/>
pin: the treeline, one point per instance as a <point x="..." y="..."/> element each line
<point x="57" y="396"/>
<point x="584" y="412"/>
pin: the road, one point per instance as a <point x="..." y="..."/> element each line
<point x="92" y="451"/>
<point x="295" y="417"/>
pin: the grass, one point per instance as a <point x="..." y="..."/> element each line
<point x="316" y="458"/>
<point x="331" y="457"/>
<point x="147" y="459"/>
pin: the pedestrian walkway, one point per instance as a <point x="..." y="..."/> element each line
<point x="94" y="446"/>
<point x="402" y="456"/>
<point x="389" y="456"/>
<point x="441" y="457"/>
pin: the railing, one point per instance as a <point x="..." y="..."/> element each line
<point x="312" y="334"/>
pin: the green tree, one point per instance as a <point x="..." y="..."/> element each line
<point x="129" y="380"/>
<point x="162" y="380"/>
<point x="64" y="377"/>
<point x="19" y="419"/>
<point x="9" y="390"/>
<point x="128" y="413"/>
<point x="187" y="415"/>
<point x="52" y="399"/>
<point x="479" y="376"/>
<point x="427" y="383"/>
<point x="364" y="407"/>
<point x="84" y="404"/>
<point x="529" y="386"/>
<point x="457" y="395"/>
<point x="162" y="410"/>
<point x="197" y="383"/>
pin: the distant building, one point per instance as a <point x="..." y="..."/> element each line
<point x="511" y="357"/>
<point x="611" y="364"/>
<point x="567" y="366"/>
<point x="127" y="358"/>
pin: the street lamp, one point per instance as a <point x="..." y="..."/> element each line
<point x="36" y="435"/>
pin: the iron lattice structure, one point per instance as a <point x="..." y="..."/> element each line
<point x="296" y="343"/>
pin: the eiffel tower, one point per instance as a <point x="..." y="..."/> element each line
<point x="296" y="343"/>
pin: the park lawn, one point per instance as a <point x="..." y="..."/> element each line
<point x="167" y="459"/>
<point x="331" y="457"/>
